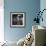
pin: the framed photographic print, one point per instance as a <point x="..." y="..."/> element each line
<point x="17" y="19"/>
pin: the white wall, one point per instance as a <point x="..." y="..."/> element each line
<point x="1" y="21"/>
<point x="43" y="6"/>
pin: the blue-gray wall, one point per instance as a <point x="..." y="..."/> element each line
<point x="28" y="6"/>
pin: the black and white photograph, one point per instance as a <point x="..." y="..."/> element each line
<point x="17" y="19"/>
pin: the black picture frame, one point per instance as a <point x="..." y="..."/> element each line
<point x="17" y="19"/>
